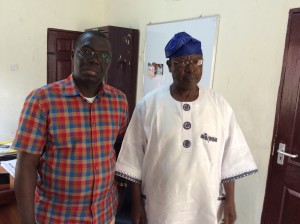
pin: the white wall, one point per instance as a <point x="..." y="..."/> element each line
<point x="23" y="41"/>
<point x="247" y="69"/>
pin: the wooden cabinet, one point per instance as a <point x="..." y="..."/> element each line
<point x="123" y="69"/>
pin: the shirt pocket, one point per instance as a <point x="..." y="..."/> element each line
<point x="207" y="139"/>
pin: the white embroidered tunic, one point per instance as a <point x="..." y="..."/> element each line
<point x="181" y="152"/>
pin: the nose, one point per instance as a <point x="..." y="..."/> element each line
<point x="190" y="67"/>
<point x="95" y="59"/>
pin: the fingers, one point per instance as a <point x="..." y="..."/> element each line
<point x="228" y="220"/>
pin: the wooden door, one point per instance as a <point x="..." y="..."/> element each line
<point x="282" y="197"/>
<point x="60" y="44"/>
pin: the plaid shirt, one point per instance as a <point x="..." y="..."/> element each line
<point x="75" y="139"/>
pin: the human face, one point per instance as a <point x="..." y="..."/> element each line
<point x="186" y="71"/>
<point x="92" y="58"/>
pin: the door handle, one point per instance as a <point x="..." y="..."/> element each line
<point x="287" y="154"/>
<point x="282" y="153"/>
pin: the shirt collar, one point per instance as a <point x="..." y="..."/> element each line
<point x="70" y="88"/>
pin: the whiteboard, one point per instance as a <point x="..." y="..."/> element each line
<point x="156" y="71"/>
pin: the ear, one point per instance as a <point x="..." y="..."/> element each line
<point x="169" y="65"/>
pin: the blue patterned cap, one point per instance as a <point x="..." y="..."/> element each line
<point x="182" y="44"/>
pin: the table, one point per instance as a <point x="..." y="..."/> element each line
<point x="8" y="204"/>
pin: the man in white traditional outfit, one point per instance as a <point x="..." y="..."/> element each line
<point x="183" y="148"/>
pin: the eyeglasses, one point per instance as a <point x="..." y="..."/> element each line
<point x="87" y="53"/>
<point x="194" y="62"/>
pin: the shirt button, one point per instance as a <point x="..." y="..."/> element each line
<point x="187" y="125"/>
<point x="94" y="125"/>
<point x="186" y="143"/>
<point x="186" y="107"/>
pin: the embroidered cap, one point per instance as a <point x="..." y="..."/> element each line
<point x="182" y="44"/>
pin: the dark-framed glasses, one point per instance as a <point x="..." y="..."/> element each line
<point x="88" y="53"/>
<point x="184" y="63"/>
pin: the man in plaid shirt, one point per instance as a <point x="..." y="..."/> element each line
<point x="65" y="142"/>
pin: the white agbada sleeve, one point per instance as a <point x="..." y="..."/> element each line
<point x="237" y="159"/>
<point x="130" y="160"/>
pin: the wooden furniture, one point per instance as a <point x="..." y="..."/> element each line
<point x="8" y="204"/>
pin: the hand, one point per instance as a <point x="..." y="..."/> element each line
<point x="138" y="214"/>
<point x="229" y="212"/>
<point x="121" y="188"/>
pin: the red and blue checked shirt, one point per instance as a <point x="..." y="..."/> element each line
<point x="75" y="139"/>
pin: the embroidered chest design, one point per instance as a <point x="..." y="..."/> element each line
<point x="208" y="138"/>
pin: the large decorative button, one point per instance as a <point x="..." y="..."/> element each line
<point x="186" y="107"/>
<point x="187" y="125"/>
<point x="186" y="143"/>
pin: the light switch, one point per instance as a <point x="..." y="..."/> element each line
<point x="13" y="67"/>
